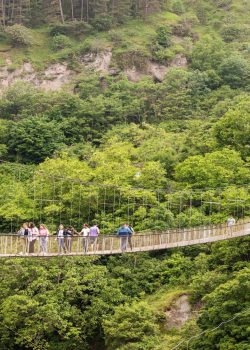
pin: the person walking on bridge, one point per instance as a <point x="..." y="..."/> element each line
<point x="125" y="233"/>
<point x="69" y="233"/>
<point x="32" y="237"/>
<point x="85" y="234"/>
<point x="230" y="224"/>
<point x="93" y="235"/>
<point x="24" y="233"/>
<point x="60" y="239"/>
<point x="43" y="238"/>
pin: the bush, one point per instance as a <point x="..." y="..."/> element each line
<point x="131" y="327"/>
<point x="225" y="4"/>
<point x="230" y="33"/>
<point x="19" y="35"/>
<point x="132" y="58"/>
<point x="235" y="71"/>
<point x="184" y="26"/>
<point x="163" y="56"/>
<point x="73" y="28"/>
<point x="178" y="7"/>
<point x="163" y="37"/>
<point x="102" y="23"/>
<point x="61" y="42"/>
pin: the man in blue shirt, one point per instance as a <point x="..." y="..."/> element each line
<point x="125" y="233"/>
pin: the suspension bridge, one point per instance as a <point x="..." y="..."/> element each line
<point x="15" y="246"/>
<point x="50" y="198"/>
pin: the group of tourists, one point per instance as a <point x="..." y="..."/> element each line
<point x="64" y="236"/>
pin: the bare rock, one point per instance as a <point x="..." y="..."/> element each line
<point x="179" y="61"/>
<point x="53" y="78"/>
<point x="133" y="74"/>
<point x="157" y="71"/>
<point x="179" y="313"/>
<point x="99" y="62"/>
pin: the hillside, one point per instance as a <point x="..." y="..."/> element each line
<point x="55" y="53"/>
<point x="115" y="111"/>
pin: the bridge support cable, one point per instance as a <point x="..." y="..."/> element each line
<point x="56" y="199"/>
<point x="12" y="245"/>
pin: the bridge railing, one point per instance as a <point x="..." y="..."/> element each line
<point x="14" y="245"/>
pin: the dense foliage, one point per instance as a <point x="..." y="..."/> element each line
<point x="158" y="153"/>
<point x="101" y="303"/>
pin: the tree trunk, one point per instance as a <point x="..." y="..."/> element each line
<point x="72" y="10"/>
<point x="61" y="10"/>
<point x="87" y="11"/>
<point x="3" y="13"/>
<point x="81" y="10"/>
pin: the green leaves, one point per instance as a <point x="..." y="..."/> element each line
<point x="33" y="139"/>
<point x="131" y="327"/>
<point x="214" y="169"/>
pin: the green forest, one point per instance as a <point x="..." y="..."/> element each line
<point x="159" y="137"/>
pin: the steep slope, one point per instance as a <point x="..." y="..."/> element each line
<point x="58" y="53"/>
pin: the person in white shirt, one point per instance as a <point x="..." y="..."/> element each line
<point x="60" y="239"/>
<point x="230" y="224"/>
<point x="32" y="237"/>
<point x="85" y="234"/>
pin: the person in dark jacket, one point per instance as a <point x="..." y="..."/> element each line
<point x="68" y="234"/>
<point x="125" y="233"/>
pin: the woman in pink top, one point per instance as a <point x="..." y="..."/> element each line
<point x="43" y="234"/>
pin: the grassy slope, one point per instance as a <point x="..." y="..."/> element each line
<point x="136" y="35"/>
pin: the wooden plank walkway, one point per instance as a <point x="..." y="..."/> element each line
<point x="15" y="246"/>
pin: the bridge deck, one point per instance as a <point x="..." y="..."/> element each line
<point x="13" y="245"/>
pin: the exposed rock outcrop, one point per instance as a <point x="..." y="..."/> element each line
<point x="179" y="313"/>
<point x="52" y="78"/>
<point x="55" y="76"/>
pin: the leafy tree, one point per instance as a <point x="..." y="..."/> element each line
<point x="131" y="327"/>
<point x="162" y="36"/>
<point x="22" y="99"/>
<point x="34" y="138"/>
<point x="233" y="128"/>
<point x="227" y="301"/>
<point x="213" y="169"/>
<point x="208" y="53"/>
<point x="235" y="71"/>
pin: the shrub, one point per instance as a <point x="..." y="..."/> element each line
<point x="102" y="23"/>
<point x="131" y="327"/>
<point x="19" y="35"/>
<point x="163" y="37"/>
<point x="61" y="42"/>
<point x="184" y="26"/>
<point x="132" y="58"/>
<point x="225" y="4"/>
<point x="230" y="33"/>
<point x="178" y="7"/>
<point x="73" y="28"/>
<point x="235" y="71"/>
<point x="163" y="56"/>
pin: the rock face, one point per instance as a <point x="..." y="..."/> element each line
<point x="155" y="70"/>
<point x="52" y="78"/>
<point x="57" y="75"/>
<point x="179" y="313"/>
<point x="99" y="62"/>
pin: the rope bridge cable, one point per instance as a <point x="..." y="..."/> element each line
<point x="187" y="341"/>
<point x="166" y="189"/>
<point x="145" y="241"/>
<point x="186" y="198"/>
